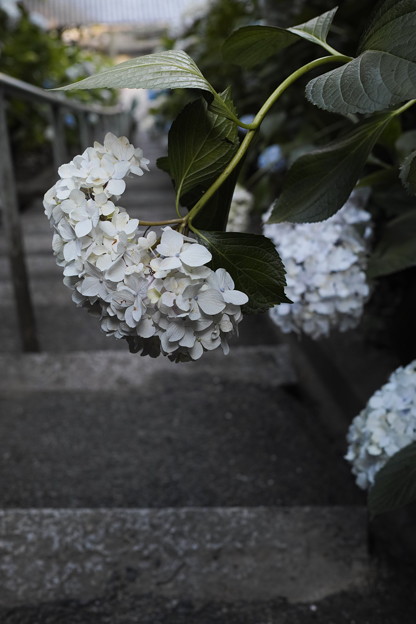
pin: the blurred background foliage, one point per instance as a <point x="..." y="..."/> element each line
<point x="30" y="53"/>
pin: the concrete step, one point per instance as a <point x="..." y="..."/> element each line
<point x="115" y="430"/>
<point x="237" y="555"/>
<point x="269" y="366"/>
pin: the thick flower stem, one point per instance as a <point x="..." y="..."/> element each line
<point x="255" y="126"/>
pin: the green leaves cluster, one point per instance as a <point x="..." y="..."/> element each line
<point x="395" y="484"/>
<point x="252" y="45"/>
<point x="384" y="72"/>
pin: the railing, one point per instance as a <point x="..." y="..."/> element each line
<point x="93" y="122"/>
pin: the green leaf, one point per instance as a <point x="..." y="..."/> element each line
<point x="408" y="173"/>
<point x="253" y="263"/>
<point x="200" y="145"/>
<point x="162" y="163"/>
<point x="396" y="248"/>
<point x="319" y="183"/>
<point x="316" y="30"/>
<point x="395" y="483"/>
<point x="251" y="45"/>
<point x="383" y="75"/>
<point x="222" y="105"/>
<point x="392" y="29"/>
<point x="214" y="215"/>
<point x="163" y="70"/>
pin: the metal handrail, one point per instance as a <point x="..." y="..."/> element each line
<point x="91" y="119"/>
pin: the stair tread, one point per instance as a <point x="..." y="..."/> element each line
<point x="234" y="554"/>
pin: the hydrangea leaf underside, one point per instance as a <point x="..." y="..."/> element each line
<point x="253" y="263"/>
<point x="408" y="173"/>
<point x="162" y="70"/>
<point x="200" y="145"/>
<point x="396" y="248"/>
<point x="319" y="183"/>
<point x="384" y="73"/>
<point x="395" y="484"/>
<point x="251" y="45"/>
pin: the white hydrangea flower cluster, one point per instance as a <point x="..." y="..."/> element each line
<point x="386" y="425"/>
<point x="241" y="206"/>
<point x="325" y="264"/>
<point x="156" y="293"/>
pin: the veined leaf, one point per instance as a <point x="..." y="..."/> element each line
<point x="392" y="29"/>
<point x="408" y="173"/>
<point x="251" y="45"/>
<point x="395" y="484"/>
<point x="163" y="70"/>
<point x="316" y="30"/>
<point x="253" y="263"/>
<point x="200" y="145"/>
<point x="383" y="75"/>
<point x="319" y="183"/>
<point x="396" y="248"/>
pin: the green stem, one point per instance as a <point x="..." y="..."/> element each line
<point x="167" y="222"/>
<point x="403" y="108"/>
<point x="254" y="127"/>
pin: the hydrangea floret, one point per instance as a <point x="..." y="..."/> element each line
<point x="153" y="289"/>
<point x="385" y="426"/>
<point x="325" y="264"/>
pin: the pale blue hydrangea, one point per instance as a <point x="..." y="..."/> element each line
<point x="385" y="426"/>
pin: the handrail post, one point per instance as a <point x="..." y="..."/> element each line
<point x="58" y="143"/>
<point x="14" y="240"/>
<point x="84" y="130"/>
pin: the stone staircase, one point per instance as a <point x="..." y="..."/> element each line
<point x="137" y="490"/>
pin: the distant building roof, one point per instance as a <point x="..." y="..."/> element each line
<point x="85" y="12"/>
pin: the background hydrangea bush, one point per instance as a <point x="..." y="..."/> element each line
<point x="385" y="426"/>
<point x="325" y="270"/>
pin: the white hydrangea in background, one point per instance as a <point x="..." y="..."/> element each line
<point x="157" y="293"/>
<point x="241" y="206"/>
<point x="386" y="425"/>
<point x="325" y="264"/>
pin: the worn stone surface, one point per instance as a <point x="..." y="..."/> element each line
<point x="96" y="371"/>
<point x="300" y="553"/>
<point x="179" y="440"/>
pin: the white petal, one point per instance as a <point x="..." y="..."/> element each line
<point x="108" y="228"/>
<point x="116" y="187"/>
<point x="168" y="264"/>
<point x="196" y="351"/>
<point x="103" y="262"/>
<point x="195" y="255"/>
<point x="225" y="280"/>
<point x="83" y="228"/>
<point x="89" y="287"/>
<point x="170" y="243"/>
<point x="117" y="271"/>
<point x="71" y="250"/>
<point x="175" y="332"/>
<point x="235" y="296"/>
<point x="210" y="301"/>
<point x="146" y="329"/>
